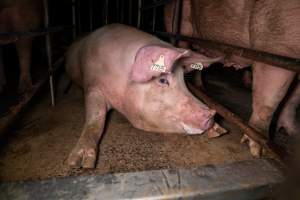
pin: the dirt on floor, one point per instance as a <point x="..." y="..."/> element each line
<point x="39" y="146"/>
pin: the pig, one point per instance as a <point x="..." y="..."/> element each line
<point x="20" y="15"/>
<point x="122" y="68"/>
<point x="270" y="26"/>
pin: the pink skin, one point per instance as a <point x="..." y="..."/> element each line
<point x="287" y="117"/>
<point x="113" y="66"/>
<point x="21" y="15"/>
<point x="270" y="26"/>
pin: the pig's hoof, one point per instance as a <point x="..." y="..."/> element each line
<point x="82" y="156"/>
<point x="255" y="149"/>
<point x="288" y="127"/>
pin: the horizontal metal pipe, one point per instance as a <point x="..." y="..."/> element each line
<point x="9" y="37"/>
<point x="236" y="120"/>
<point x="156" y="4"/>
<point x="288" y="63"/>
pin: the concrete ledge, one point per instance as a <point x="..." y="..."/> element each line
<point x="254" y="179"/>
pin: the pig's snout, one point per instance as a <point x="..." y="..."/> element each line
<point x="199" y="122"/>
<point x="207" y="119"/>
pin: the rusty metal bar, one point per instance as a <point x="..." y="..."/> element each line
<point x="176" y="20"/>
<point x="236" y="120"/>
<point x="288" y="63"/>
<point x="155" y="4"/>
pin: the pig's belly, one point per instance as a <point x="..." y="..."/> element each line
<point x="225" y="21"/>
<point x="271" y="26"/>
<point x="275" y="27"/>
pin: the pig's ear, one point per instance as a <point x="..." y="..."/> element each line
<point x="153" y="60"/>
<point x="198" y="61"/>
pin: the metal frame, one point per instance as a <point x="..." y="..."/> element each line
<point x="10" y="37"/>
<point x="244" y="180"/>
<point x="276" y="60"/>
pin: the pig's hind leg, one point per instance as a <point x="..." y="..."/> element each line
<point x="85" y="152"/>
<point x="270" y="85"/>
<point x="287" y="118"/>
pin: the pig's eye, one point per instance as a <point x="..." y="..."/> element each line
<point x="163" y="81"/>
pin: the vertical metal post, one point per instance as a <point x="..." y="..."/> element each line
<point x="91" y="14"/>
<point x="122" y="11"/>
<point x="79" y="17"/>
<point x="176" y="20"/>
<point x="105" y="12"/>
<point x="139" y="14"/>
<point x="130" y="12"/>
<point x="74" y="18"/>
<point x="49" y="51"/>
<point x="154" y="18"/>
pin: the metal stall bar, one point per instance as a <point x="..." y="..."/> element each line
<point x="49" y="52"/>
<point x="141" y="8"/>
<point x="139" y="14"/>
<point x="253" y="179"/>
<point x="130" y="12"/>
<point x="233" y="118"/>
<point x="105" y="12"/>
<point x="288" y="63"/>
<point x="155" y="4"/>
<point x="176" y="20"/>
<point x="91" y="14"/>
<point x="74" y="18"/>
<point x="11" y="37"/>
<point x="154" y="18"/>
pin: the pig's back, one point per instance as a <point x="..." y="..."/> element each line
<point x="107" y="54"/>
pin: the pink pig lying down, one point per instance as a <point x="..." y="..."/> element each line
<point x="139" y="75"/>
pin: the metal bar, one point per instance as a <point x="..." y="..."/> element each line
<point x="154" y="18"/>
<point x="78" y="10"/>
<point x="233" y="118"/>
<point x="244" y="180"/>
<point x="91" y="14"/>
<point x="288" y="63"/>
<point x="122" y="11"/>
<point x="49" y="52"/>
<point x="105" y="12"/>
<point x="176" y="20"/>
<point x="10" y="37"/>
<point x="156" y="4"/>
<point x="130" y="12"/>
<point x="139" y="14"/>
<point x="74" y="18"/>
<point x="8" y="120"/>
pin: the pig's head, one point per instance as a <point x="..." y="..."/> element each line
<point x="157" y="97"/>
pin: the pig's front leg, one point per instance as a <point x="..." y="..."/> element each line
<point x="85" y="152"/>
